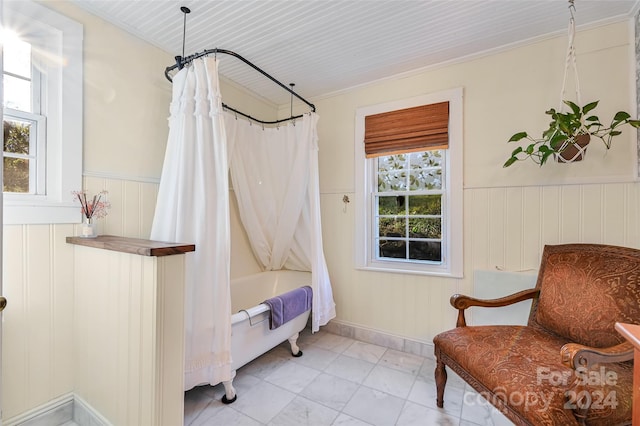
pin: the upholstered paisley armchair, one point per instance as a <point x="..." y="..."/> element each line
<point x="568" y="365"/>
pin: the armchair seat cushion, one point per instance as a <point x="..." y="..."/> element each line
<point x="521" y="366"/>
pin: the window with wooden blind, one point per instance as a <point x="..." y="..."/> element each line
<point x="421" y="128"/>
<point x="409" y="185"/>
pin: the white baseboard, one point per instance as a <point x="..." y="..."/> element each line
<point x="63" y="409"/>
<point x="85" y="415"/>
<point x="54" y="412"/>
<point x="376" y="337"/>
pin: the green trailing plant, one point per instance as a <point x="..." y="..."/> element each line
<point x="563" y="130"/>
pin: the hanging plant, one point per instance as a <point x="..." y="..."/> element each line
<point x="569" y="132"/>
<point x="568" y="135"/>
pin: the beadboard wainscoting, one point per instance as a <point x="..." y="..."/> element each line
<point x="38" y="358"/>
<point x="129" y="331"/>
<point x="133" y="203"/>
<point x="495" y="284"/>
<point x="37" y="339"/>
<point x="504" y="227"/>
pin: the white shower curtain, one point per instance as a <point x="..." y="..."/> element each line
<point x="193" y="207"/>
<point x="274" y="172"/>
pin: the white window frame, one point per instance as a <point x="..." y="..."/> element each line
<point x="37" y="149"/>
<point x="61" y="104"/>
<point x="365" y="180"/>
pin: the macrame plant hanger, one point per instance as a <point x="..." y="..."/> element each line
<point x="571" y="62"/>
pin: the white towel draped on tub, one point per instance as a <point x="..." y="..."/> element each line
<point x="274" y="172"/>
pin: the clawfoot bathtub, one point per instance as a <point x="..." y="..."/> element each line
<point x="250" y="333"/>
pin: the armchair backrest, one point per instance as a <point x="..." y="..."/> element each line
<point x="585" y="289"/>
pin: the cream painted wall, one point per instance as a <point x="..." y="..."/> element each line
<point x="37" y="340"/>
<point x="503" y="93"/>
<point x="509" y="214"/>
<point x="129" y="329"/>
<point x="126" y="98"/>
<point x="126" y="104"/>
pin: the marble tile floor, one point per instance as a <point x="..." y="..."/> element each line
<point x="339" y="381"/>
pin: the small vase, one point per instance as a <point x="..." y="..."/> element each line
<point x="88" y="228"/>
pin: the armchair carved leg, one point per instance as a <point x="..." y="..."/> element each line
<point x="441" y="381"/>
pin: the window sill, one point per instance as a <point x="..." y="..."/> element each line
<point x="44" y="213"/>
<point x="407" y="271"/>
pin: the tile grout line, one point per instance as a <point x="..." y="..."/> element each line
<point x="389" y="360"/>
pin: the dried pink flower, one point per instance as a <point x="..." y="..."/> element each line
<point x="95" y="207"/>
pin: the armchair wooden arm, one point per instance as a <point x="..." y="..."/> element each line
<point x="576" y="356"/>
<point x="462" y="302"/>
<point x="581" y="357"/>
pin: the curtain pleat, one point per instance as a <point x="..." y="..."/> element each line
<point x="274" y="172"/>
<point x="193" y="207"/>
<point x="275" y="178"/>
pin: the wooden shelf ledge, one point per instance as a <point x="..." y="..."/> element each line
<point x="133" y="245"/>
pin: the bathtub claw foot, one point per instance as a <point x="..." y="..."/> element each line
<point x="295" y="350"/>
<point x="229" y="391"/>
<point x="228" y="401"/>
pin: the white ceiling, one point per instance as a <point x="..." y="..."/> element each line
<point x="324" y="46"/>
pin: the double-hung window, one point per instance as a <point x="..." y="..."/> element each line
<point x="42" y="113"/>
<point x="24" y="147"/>
<point x="409" y="185"/>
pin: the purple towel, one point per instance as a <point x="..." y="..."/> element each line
<point x="289" y="305"/>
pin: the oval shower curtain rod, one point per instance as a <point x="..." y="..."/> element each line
<point x="182" y="61"/>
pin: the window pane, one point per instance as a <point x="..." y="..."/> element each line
<point x="16" y="136"/>
<point x="17" y="93"/>
<point x="392" y="249"/>
<point x="395" y="180"/>
<point x="425" y="250"/>
<point x="16" y="175"/>
<point x="392" y="162"/>
<point x="425" y="228"/>
<point x="426" y="170"/>
<point x="425" y="159"/>
<point x="16" y="55"/>
<point x="425" y="205"/>
<point x="425" y="179"/>
<point x="416" y="171"/>
<point x="391" y="205"/>
<point x="392" y="227"/>
<point x="392" y="172"/>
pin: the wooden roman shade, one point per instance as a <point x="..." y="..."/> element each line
<point x="407" y="130"/>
